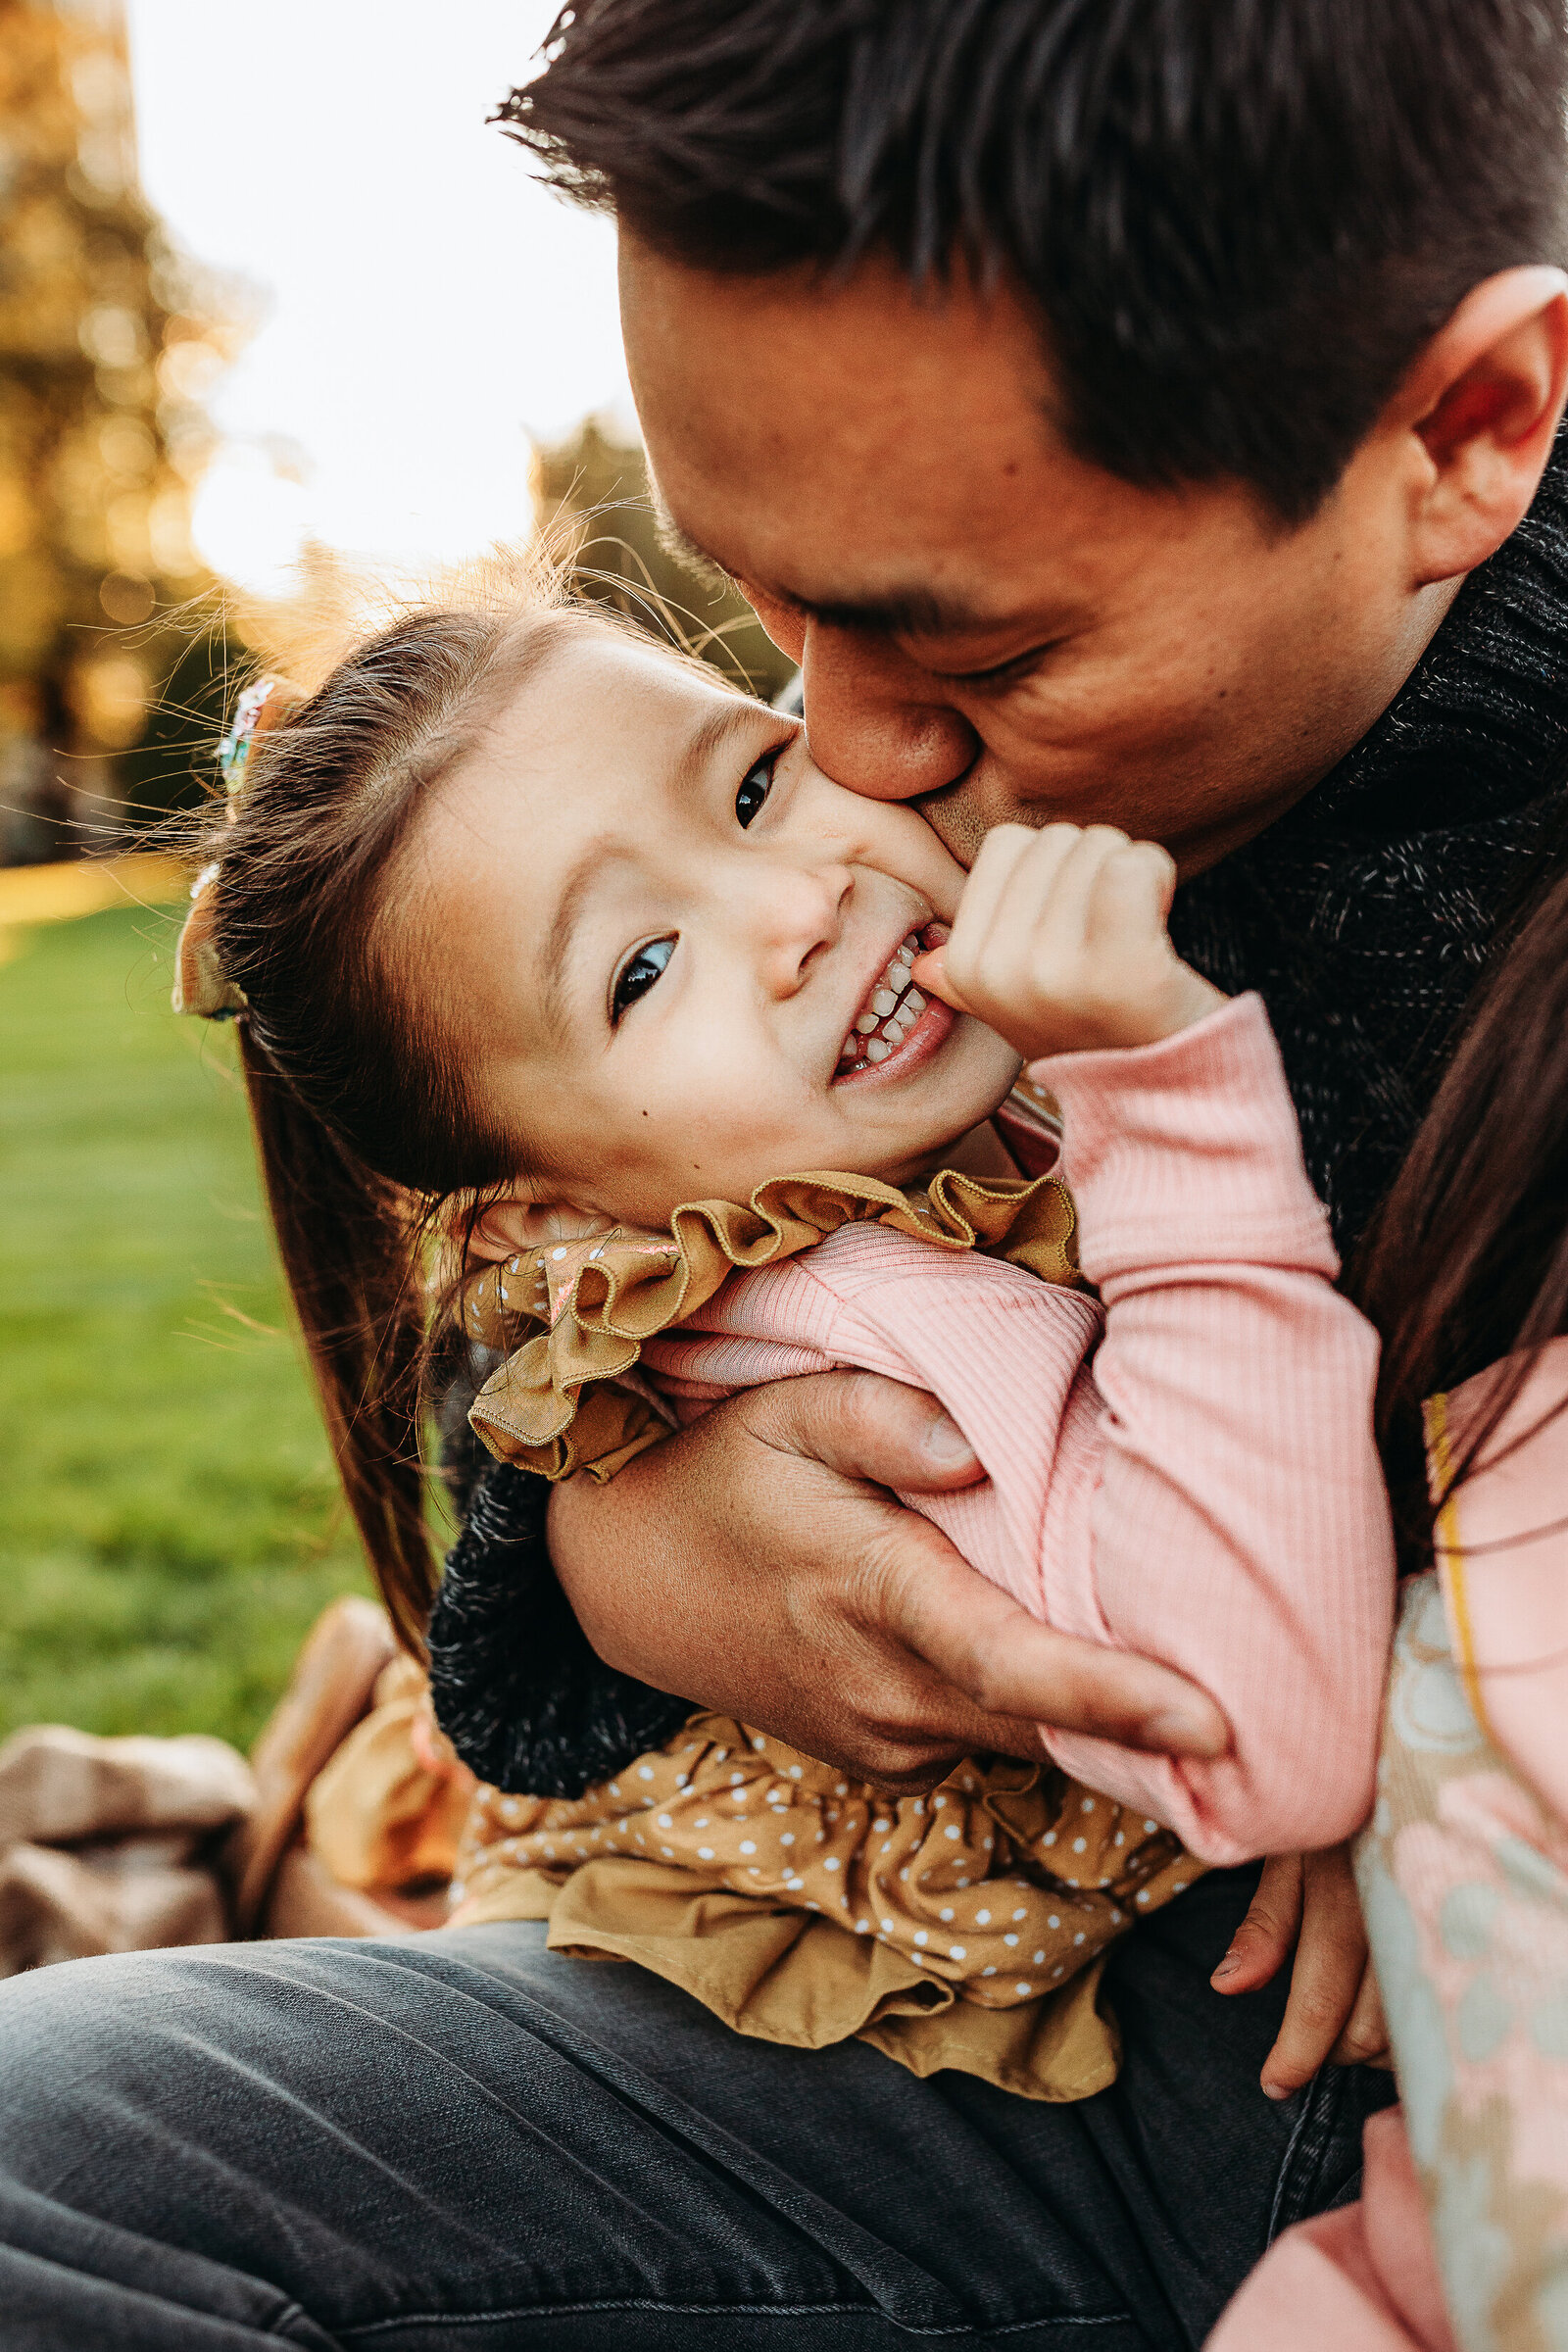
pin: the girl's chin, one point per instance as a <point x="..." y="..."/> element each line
<point x="969" y="1082"/>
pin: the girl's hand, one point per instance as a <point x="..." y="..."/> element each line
<point x="1309" y="1904"/>
<point x="1060" y="943"/>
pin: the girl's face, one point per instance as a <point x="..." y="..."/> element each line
<point x="667" y="923"/>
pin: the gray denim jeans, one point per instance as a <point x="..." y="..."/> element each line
<point x="461" y="2141"/>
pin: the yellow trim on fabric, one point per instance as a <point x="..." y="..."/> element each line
<point x="1450" y="1554"/>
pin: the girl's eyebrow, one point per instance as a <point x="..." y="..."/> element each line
<point x="723" y="718"/>
<point x="556" y="953"/>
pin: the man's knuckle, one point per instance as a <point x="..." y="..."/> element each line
<point x="988" y="1686"/>
<point x="993" y="977"/>
<point x="875" y="1582"/>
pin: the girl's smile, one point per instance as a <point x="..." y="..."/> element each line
<point x="895" y="1024"/>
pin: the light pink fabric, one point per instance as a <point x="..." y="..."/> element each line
<point x="1502" y="1558"/>
<point x="1188" y="1470"/>
<point x="1464" y="1876"/>
<point x="1362" y="2280"/>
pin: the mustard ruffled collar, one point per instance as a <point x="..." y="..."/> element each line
<point x="571" y="1316"/>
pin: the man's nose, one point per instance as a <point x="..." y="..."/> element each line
<point x="875" y="721"/>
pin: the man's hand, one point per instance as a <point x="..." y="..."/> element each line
<point x="757" y="1564"/>
<point x="1308" y="1903"/>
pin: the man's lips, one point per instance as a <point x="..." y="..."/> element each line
<point x="893" y="1009"/>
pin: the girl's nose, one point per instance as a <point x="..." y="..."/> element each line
<point x="789" y="913"/>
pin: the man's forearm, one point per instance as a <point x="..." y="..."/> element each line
<point x="517" y="1689"/>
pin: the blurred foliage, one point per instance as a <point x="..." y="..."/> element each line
<point x="108" y="343"/>
<point x="593" y="495"/>
<point x="172" y="1521"/>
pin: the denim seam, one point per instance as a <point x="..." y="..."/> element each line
<point x="1279" y="2216"/>
<point x="765" y="2311"/>
<point x="285" y="2321"/>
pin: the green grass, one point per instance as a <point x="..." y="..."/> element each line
<point x="168" y="1519"/>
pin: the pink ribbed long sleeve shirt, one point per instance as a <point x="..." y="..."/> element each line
<point x="1184" y="1467"/>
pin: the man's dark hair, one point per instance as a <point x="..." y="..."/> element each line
<point x="1241" y="219"/>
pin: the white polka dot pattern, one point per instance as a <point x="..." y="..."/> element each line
<point x="919" y="1875"/>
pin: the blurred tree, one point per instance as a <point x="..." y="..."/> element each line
<point x="593" y="494"/>
<point x="108" y="342"/>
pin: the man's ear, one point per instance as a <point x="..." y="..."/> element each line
<point x="1481" y="403"/>
<point x="518" y="1222"/>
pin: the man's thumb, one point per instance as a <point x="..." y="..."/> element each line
<point x="863" y="1426"/>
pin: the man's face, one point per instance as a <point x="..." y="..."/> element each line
<point x="984" y="618"/>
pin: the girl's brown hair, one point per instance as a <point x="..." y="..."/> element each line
<point x="354" y="1066"/>
<point x="1467" y="1263"/>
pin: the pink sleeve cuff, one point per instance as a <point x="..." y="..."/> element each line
<point x="1187" y="1150"/>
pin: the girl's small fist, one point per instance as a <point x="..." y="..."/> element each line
<point x="1060" y="943"/>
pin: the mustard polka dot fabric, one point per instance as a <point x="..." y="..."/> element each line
<point x="999" y="1889"/>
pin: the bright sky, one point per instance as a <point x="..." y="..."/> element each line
<point x="428" y="308"/>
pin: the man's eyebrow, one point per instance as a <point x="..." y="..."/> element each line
<point x="904" y="612"/>
<point x="911" y="612"/>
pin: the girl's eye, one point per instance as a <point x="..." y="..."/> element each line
<point x="637" y="975"/>
<point x="756" y="785"/>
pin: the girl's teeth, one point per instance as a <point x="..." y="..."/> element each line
<point x="896" y="1005"/>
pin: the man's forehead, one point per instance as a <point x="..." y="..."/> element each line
<point x="832" y="440"/>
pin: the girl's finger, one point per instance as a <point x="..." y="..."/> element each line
<point x="1045" y="880"/>
<point x="1364" y="2038"/>
<point x="1130" y="897"/>
<point x="1005" y="850"/>
<point x="976" y="927"/>
<point x="1326" y="1977"/>
<point x="929" y="972"/>
<point x="1266" y="1936"/>
<point x="1053" y="891"/>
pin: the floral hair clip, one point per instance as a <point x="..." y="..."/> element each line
<point x="201" y="985"/>
<point x="234" y="752"/>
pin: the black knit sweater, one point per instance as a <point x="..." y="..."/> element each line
<point x="1363" y="917"/>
